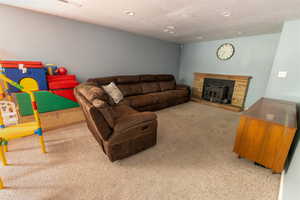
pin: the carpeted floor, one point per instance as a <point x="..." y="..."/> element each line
<point x="192" y="160"/>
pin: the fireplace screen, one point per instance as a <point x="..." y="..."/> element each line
<point x="218" y="90"/>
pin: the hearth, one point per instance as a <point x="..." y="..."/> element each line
<point x="218" y="90"/>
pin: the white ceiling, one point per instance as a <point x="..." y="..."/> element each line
<point x="192" y="18"/>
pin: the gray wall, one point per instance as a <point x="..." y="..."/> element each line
<point x="86" y="50"/>
<point x="253" y="56"/>
<point x="287" y="59"/>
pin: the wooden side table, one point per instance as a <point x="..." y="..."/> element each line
<point x="266" y="131"/>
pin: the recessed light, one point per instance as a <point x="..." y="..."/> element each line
<point x="200" y="37"/>
<point x="166" y="30"/>
<point x="171" y="32"/>
<point x="170" y="27"/>
<point x="226" y="13"/>
<point x="129" y="13"/>
<point x="71" y="2"/>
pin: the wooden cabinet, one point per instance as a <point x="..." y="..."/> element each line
<point x="266" y="131"/>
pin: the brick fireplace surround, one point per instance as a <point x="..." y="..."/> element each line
<point x="239" y="92"/>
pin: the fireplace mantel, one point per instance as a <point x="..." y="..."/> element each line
<point x="239" y="93"/>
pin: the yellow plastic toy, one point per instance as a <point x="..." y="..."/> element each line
<point x="22" y="129"/>
<point x="1" y="184"/>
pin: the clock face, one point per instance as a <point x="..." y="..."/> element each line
<point x="225" y="51"/>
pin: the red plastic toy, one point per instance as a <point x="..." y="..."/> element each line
<point x="61" y="71"/>
<point x="63" y="85"/>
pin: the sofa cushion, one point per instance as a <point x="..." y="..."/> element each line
<point x="103" y="81"/>
<point x="165" y="77"/>
<point x="128" y="79"/>
<point x="149" y="87"/>
<point x="148" y="78"/>
<point x="130" y="89"/>
<point x="122" y="110"/>
<point x="167" y="85"/>
<point x="132" y="120"/>
<point x="178" y="93"/>
<point x="169" y="95"/>
<point x="114" y="92"/>
<point x="142" y="100"/>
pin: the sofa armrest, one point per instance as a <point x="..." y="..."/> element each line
<point x="184" y="87"/>
<point x="124" y="124"/>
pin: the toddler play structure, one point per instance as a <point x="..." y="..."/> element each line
<point x="8" y="133"/>
<point x="27" y="89"/>
<point x="53" y="91"/>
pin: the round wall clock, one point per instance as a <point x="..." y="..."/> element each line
<point x="225" y="51"/>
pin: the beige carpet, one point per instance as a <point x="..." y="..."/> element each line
<point x="192" y="160"/>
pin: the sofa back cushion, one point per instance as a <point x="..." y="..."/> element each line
<point x="102" y="81"/>
<point x="127" y="79"/>
<point x="167" y="85"/>
<point x="150" y="87"/>
<point x="148" y="78"/>
<point x="165" y="77"/>
<point x="139" y="84"/>
<point x="129" y="85"/>
<point x="166" y="82"/>
<point x="131" y="89"/>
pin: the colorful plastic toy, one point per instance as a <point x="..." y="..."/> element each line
<point x="30" y="75"/>
<point x="46" y="101"/>
<point x="1" y="184"/>
<point x="61" y="71"/>
<point x="23" y="129"/>
<point x="51" y="68"/>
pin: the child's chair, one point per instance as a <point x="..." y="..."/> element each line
<point x="22" y="129"/>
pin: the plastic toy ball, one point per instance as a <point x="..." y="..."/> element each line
<point x="61" y="71"/>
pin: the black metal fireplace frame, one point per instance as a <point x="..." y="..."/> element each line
<point x="218" y="90"/>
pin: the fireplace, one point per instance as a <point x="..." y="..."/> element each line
<point x="218" y="90"/>
<point x="221" y="90"/>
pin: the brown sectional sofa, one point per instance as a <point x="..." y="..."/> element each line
<point x="125" y="129"/>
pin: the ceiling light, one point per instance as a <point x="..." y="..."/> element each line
<point x="129" y="13"/>
<point x="166" y="30"/>
<point x="200" y="37"/>
<point x="226" y="13"/>
<point x="170" y="27"/>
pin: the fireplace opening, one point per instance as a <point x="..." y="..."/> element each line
<point x="218" y="90"/>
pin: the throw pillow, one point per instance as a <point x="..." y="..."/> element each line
<point x="113" y="91"/>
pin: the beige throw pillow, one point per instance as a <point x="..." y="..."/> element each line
<point x="114" y="92"/>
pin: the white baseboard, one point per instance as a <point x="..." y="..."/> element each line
<point x="281" y="185"/>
